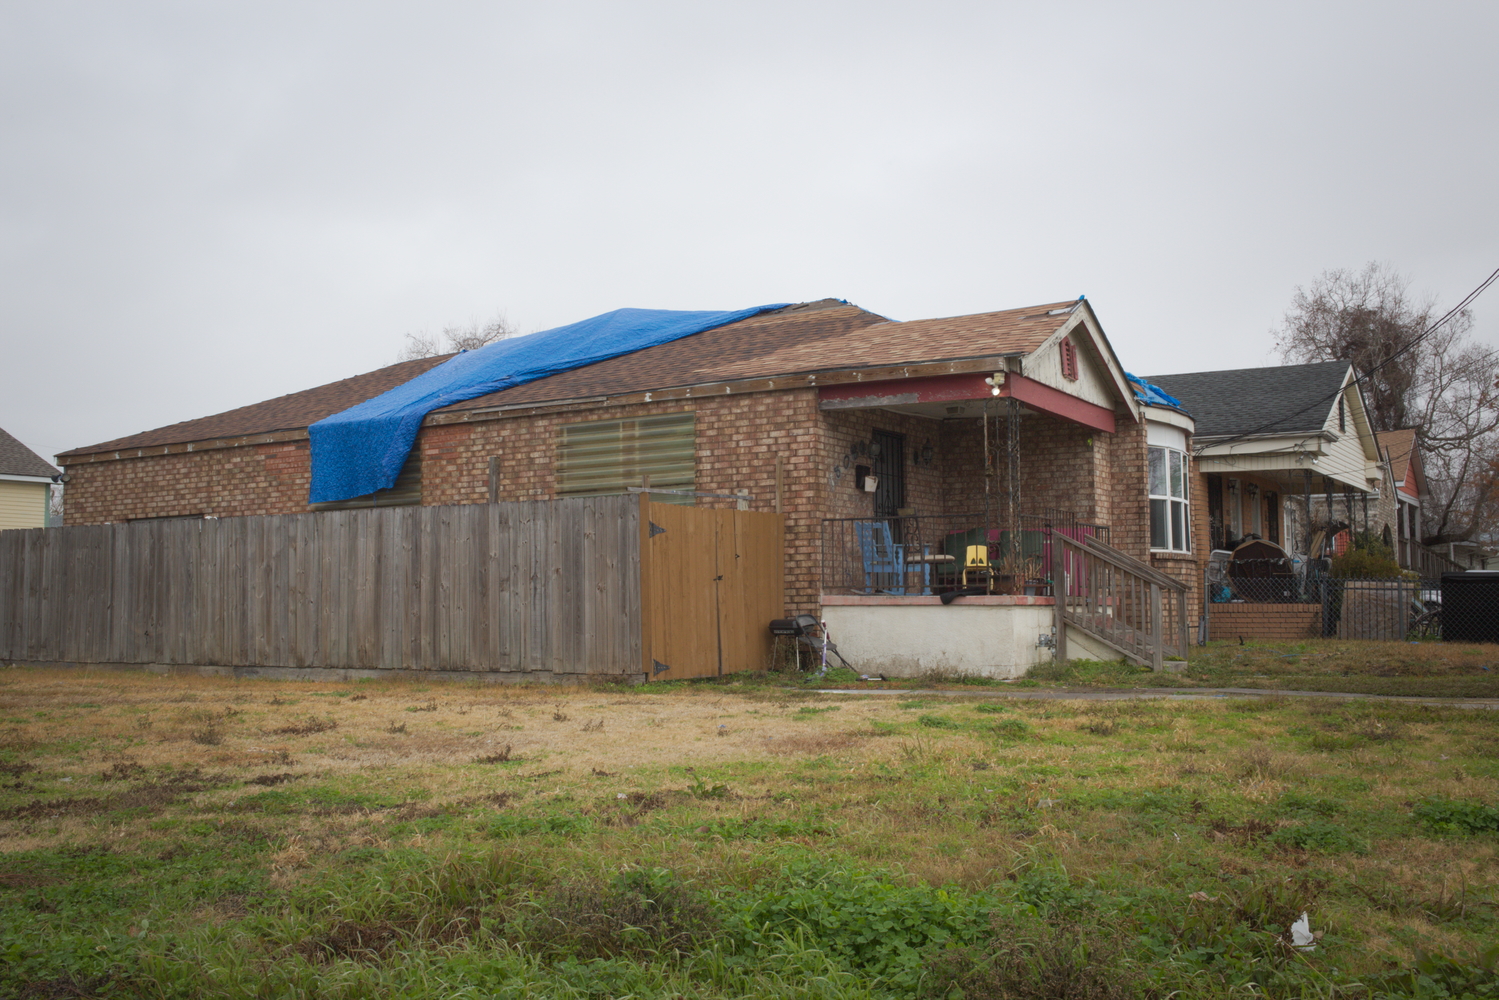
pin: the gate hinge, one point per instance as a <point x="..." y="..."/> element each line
<point x="656" y="529"/>
<point x="658" y="667"/>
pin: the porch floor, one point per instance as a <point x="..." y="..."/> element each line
<point x="917" y="600"/>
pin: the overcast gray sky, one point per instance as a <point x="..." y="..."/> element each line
<point x="203" y="205"/>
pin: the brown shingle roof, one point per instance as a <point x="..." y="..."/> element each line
<point x="812" y="337"/>
<point x="816" y="338"/>
<point x="18" y="460"/>
<point x="282" y="413"/>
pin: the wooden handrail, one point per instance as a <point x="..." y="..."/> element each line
<point x="1121" y="599"/>
<point x="1132" y="565"/>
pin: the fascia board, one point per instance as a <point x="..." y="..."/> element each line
<point x="1360" y="412"/>
<point x="26" y="479"/>
<point x="1263" y="444"/>
<point x="1170" y="417"/>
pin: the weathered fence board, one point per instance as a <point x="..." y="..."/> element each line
<point x="536" y="588"/>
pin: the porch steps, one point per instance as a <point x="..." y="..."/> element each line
<point x="1119" y="601"/>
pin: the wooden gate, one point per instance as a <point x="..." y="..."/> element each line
<point x="711" y="581"/>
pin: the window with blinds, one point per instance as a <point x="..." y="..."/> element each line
<point x="407" y="491"/>
<point x="600" y="457"/>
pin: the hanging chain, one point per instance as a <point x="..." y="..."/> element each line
<point x="1012" y="422"/>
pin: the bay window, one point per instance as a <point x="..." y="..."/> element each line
<point x="1169" y="521"/>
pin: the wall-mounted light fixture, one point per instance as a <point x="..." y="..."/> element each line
<point x="995" y="381"/>
<point x="927" y="454"/>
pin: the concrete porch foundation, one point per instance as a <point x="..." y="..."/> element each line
<point x="980" y="636"/>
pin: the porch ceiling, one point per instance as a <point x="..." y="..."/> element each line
<point x="1286" y="473"/>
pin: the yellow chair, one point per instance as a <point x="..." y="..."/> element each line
<point x="976" y="561"/>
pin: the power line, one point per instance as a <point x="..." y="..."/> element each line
<point x="1358" y="378"/>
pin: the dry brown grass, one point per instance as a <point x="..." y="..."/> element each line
<point x="947" y="805"/>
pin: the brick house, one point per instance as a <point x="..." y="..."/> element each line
<point x="1284" y="454"/>
<point x="801" y="409"/>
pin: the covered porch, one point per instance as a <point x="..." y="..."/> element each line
<point x="950" y="497"/>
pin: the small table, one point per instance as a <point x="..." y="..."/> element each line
<point x="926" y="561"/>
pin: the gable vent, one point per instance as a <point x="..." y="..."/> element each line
<point x="1069" y="359"/>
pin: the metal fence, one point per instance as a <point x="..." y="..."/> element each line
<point x="1455" y="607"/>
<point x="938" y="554"/>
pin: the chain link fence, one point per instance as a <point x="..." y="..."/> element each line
<point x="1454" y="607"/>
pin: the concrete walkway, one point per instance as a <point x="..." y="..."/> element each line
<point x="1169" y="694"/>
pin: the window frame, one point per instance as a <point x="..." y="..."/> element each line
<point x="1177" y="510"/>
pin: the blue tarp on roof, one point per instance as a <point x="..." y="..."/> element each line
<point x="360" y="450"/>
<point x="1153" y="394"/>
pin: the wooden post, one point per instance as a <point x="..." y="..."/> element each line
<point x="1186" y="634"/>
<point x="646" y="602"/>
<point x="1157" y="633"/>
<point x="494" y="479"/>
<point x="1059" y="595"/>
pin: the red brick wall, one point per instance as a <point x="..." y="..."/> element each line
<point x="223" y="482"/>
<point x="1125" y="504"/>
<point x="1265" y="621"/>
<point x="926" y="485"/>
<point x="1062" y="465"/>
<point x="739" y="438"/>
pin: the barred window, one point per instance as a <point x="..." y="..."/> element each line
<point x="1170" y="522"/>
<point x="600" y="457"/>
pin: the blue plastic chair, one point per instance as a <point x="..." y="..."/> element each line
<point x="884" y="561"/>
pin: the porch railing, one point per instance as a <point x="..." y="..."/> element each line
<point x="1428" y="563"/>
<point x="1120" y="601"/>
<point x="928" y="554"/>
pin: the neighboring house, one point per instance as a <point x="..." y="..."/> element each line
<point x="1284" y="455"/>
<point x="1467" y="556"/>
<point x="1282" y="452"/>
<point x="1401" y="515"/>
<point x="1405" y="482"/>
<point x="25" y="486"/>
<point x="822" y="411"/>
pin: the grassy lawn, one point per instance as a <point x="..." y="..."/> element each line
<point x="1407" y="669"/>
<point x="185" y="837"/>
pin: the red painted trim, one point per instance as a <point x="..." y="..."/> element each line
<point x="932" y="389"/>
<point x="971" y="385"/>
<point x="1058" y="403"/>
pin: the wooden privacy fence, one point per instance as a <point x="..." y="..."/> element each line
<point x="537" y="590"/>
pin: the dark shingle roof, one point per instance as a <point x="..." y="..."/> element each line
<point x="1286" y="399"/>
<point x="818" y="336"/>
<point x="18" y="460"/>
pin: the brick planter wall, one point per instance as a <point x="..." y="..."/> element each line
<point x="1264" y="621"/>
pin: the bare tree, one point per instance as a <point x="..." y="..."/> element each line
<point x="1444" y="386"/>
<point x="458" y="338"/>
